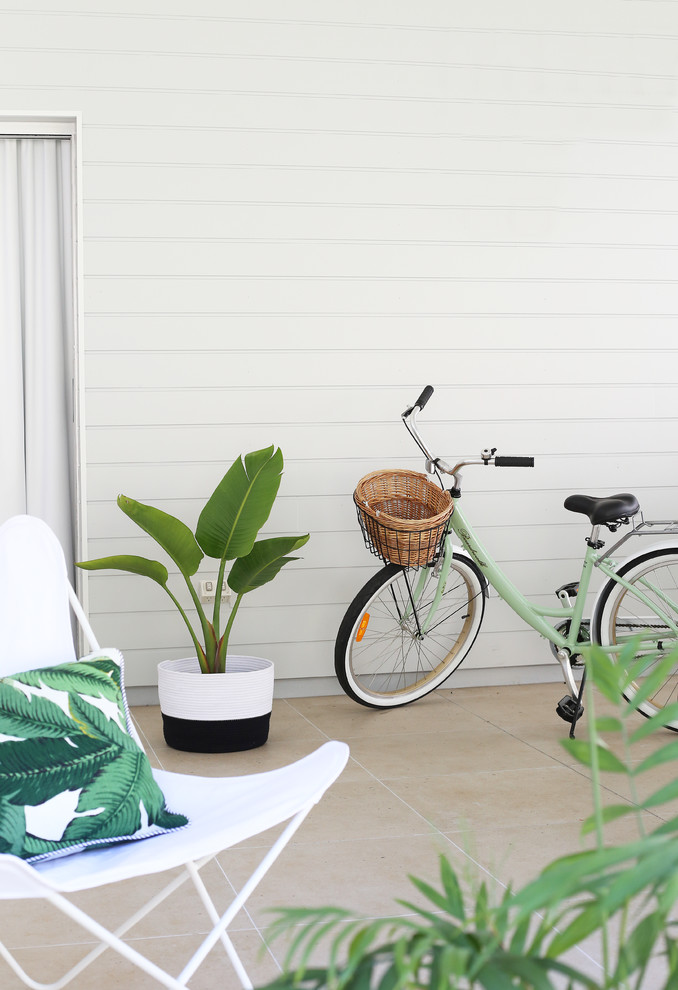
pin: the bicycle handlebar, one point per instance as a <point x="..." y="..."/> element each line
<point x="421" y="401"/>
<point x="436" y="463"/>
<point x="425" y="396"/>
<point x="514" y="462"/>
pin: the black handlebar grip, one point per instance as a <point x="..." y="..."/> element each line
<point x="424" y="397"/>
<point x="514" y="462"/>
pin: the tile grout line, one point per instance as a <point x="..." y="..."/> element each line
<point x="433" y="830"/>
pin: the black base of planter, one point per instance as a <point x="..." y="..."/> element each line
<point x="231" y="736"/>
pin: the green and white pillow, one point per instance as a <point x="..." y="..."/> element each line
<point x="71" y="775"/>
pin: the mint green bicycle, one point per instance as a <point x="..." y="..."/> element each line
<point x="414" y="622"/>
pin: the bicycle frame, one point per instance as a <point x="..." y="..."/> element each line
<point x="565" y="645"/>
<point x="534" y="615"/>
<point x="531" y="613"/>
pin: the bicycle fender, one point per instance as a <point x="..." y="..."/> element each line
<point x="460" y="553"/>
<point x="646" y="549"/>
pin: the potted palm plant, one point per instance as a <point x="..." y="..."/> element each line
<point x="215" y="702"/>
<point x="622" y="894"/>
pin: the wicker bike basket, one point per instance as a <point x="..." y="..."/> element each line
<point x="403" y="516"/>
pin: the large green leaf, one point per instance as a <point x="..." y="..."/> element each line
<point x="669" y="792"/>
<point x="583" y="752"/>
<point x="36" y="770"/>
<point x="653" y="678"/>
<point x="93" y="678"/>
<point x="265" y="560"/>
<point x="12" y="827"/>
<point x="122" y="784"/>
<point x="117" y="790"/>
<point x="170" y="533"/>
<point x="240" y="505"/>
<point x="668" y="713"/>
<point x="607" y="814"/>
<point x="639" y="947"/>
<point x="28" y="718"/>
<point x="127" y="562"/>
<point x="93" y="722"/>
<point x="666" y="754"/>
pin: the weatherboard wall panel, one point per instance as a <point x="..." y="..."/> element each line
<point x="185" y="443"/>
<point x="563" y="475"/>
<point x="201" y="407"/>
<point x="548" y="227"/>
<point x="246" y="366"/>
<point x="296" y="217"/>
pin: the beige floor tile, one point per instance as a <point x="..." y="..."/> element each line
<point x="33" y="923"/>
<point x="508" y="701"/>
<point x="509" y="798"/>
<point x="361" y="875"/>
<point x="112" y="972"/>
<point x="365" y="809"/>
<point x="618" y="786"/>
<point x="528" y="713"/>
<point x="345" y="719"/>
<point x="444" y="752"/>
<point x="508" y="705"/>
<point x="352" y="810"/>
<point x="518" y="854"/>
<point x="547" y="738"/>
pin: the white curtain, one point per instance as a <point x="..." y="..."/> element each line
<point x="37" y="336"/>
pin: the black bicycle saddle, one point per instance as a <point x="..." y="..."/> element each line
<point x="604" y="510"/>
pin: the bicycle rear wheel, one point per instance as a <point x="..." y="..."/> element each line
<point x="382" y="658"/>
<point x="621" y="615"/>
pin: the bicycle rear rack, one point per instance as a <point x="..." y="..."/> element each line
<point x="645" y="528"/>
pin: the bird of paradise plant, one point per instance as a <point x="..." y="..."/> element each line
<point x="227" y="530"/>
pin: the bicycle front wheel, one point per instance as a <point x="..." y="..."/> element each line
<point x="385" y="656"/>
<point x="622" y="614"/>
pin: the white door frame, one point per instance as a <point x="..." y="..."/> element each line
<point x="51" y="124"/>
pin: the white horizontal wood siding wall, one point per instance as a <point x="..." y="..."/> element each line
<point x="297" y="215"/>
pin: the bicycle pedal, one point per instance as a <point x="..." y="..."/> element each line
<point x="567" y="592"/>
<point x="568" y="709"/>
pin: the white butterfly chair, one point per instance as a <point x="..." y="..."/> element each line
<point x="35" y="631"/>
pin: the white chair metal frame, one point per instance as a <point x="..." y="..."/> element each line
<point x="222" y="811"/>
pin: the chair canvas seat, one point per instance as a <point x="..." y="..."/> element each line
<point x="222" y="811"/>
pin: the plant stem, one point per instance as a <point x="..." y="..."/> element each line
<point x="223" y="646"/>
<point x="597" y="807"/>
<point x="217" y="598"/>
<point x="207" y="630"/>
<point x="199" y="651"/>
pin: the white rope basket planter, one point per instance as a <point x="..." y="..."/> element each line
<point x="219" y="705"/>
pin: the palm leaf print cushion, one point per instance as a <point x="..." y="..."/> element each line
<point x="71" y="775"/>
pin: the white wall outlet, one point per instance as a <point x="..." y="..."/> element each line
<point x="208" y="588"/>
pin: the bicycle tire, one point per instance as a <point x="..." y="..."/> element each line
<point x="619" y="614"/>
<point x="390" y="664"/>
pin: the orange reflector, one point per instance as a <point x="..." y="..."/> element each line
<point x="362" y="628"/>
